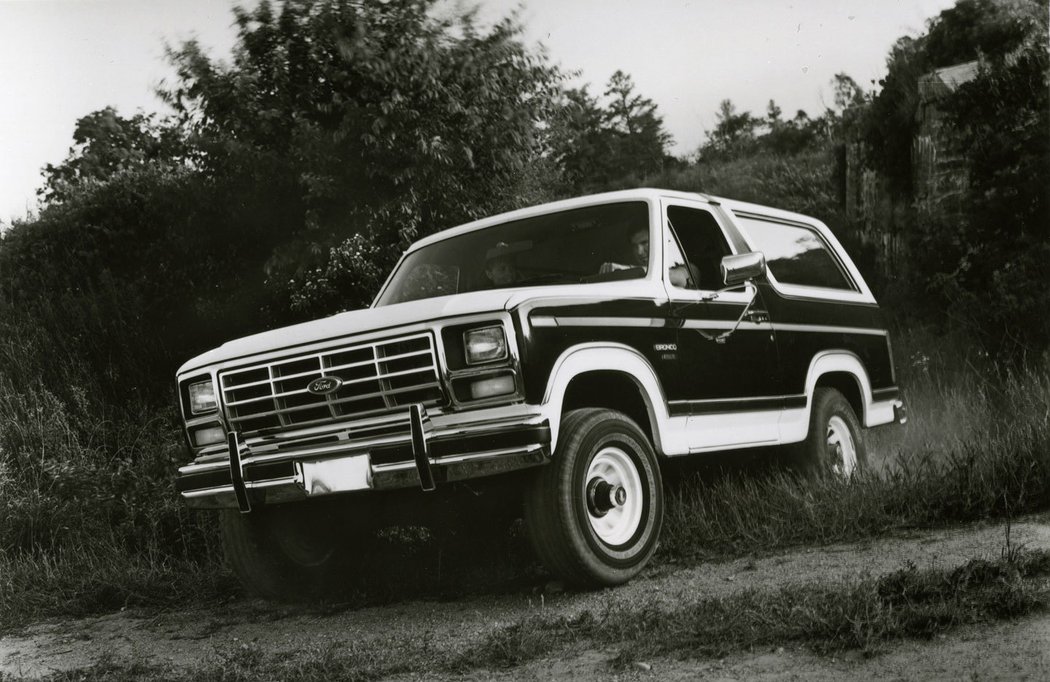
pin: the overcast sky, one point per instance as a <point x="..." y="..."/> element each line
<point x="62" y="59"/>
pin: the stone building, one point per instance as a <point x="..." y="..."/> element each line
<point x="938" y="167"/>
<point x="938" y="172"/>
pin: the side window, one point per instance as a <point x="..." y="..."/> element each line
<point x="680" y="274"/>
<point x="703" y="244"/>
<point x="797" y="254"/>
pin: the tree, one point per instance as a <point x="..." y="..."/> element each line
<point x="846" y="92"/>
<point x="980" y="260"/>
<point x="580" y="144"/>
<point x="990" y="264"/>
<point x="972" y="28"/>
<point x="105" y="143"/>
<point x="639" y="140"/>
<point x="598" y="145"/>
<point x="285" y="184"/>
<point x="341" y="118"/>
<point x="968" y="30"/>
<point x="790" y="137"/>
<point x="773" y="113"/>
<point x="733" y="135"/>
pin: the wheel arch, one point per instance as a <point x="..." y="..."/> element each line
<point x="587" y="373"/>
<point x="843" y="371"/>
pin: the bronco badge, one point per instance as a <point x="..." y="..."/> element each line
<point x="324" y="385"/>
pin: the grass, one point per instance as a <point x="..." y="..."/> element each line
<point x="852" y="616"/>
<point x="106" y="579"/>
<point x="741" y="514"/>
<point x="861" y="615"/>
<point x="976" y="446"/>
<point x="90" y="523"/>
<point x="89" y="520"/>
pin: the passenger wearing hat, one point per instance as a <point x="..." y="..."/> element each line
<point x="499" y="266"/>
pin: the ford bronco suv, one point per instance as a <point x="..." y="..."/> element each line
<point x="564" y="351"/>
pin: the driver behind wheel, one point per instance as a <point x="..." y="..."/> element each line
<point x="638" y="256"/>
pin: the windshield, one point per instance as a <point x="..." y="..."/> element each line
<point x="593" y="244"/>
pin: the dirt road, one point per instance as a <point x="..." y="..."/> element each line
<point x="186" y="638"/>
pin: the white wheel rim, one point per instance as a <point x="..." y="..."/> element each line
<point x="842" y="447"/>
<point x="621" y="522"/>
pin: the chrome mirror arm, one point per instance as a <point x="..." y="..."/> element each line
<point x="720" y="338"/>
<point x="712" y="295"/>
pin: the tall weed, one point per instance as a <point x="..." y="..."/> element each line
<point x="89" y="518"/>
<point x="86" y="487"/>
<point x="976" y="446"/>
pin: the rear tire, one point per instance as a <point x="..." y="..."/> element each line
<point x="281" y="553"/>
<point x="834" y="446"/>
<point x="594" y="513"/>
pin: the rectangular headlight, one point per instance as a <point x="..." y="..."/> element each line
<point x="487" y="344"/>
<point x="202" y="397"/>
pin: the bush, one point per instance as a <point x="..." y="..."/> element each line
<point x="802" y="182"/>
<point x="989" y="261"/>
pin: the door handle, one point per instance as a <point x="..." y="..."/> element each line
<point x="757" y="316"/>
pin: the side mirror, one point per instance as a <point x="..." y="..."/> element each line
<point x="743" y="267"/>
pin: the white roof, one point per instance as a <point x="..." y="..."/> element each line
<point x="640" y="194"/>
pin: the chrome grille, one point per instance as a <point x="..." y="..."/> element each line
<point x="376" y="377"/>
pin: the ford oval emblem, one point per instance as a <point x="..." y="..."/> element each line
<point x="324" y="385"/>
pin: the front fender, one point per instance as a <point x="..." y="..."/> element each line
<point x="609" y="357"/>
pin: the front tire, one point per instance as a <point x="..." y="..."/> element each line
<point x="594" y="514"/>
<point x="280" y="554"/>
<point x="834" y="446"/>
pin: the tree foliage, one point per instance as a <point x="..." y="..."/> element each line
<point x="371" y="118"/>
<point x="289" y="179"/>
<point x="734" y="133"/>
<point x="105" y="143"/>
<point x="579" y="141"/>
<point x="989" y="262"/>
<point x="792" y="136"/>
<point x="739" y="135"/>
<point x="598" y="143"/>
<point x="968" y="30"/>
<point x="639" y="141"/>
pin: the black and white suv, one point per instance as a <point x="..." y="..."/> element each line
<point x="565" y="350"/>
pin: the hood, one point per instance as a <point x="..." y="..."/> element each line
<point x="354" y="322"/>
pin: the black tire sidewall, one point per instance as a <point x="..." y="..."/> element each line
<point x="586" y="559"/>
<point x="816" y="459"/>
<point x="609" y="433"/>
<point x="262" y="565"/>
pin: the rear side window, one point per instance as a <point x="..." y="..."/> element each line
<point x="797" y="254"/>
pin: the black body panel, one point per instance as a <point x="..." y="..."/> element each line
<point x="807" y="327"/>
<point x="642" y="325"/>
<point x="762" y="365"/>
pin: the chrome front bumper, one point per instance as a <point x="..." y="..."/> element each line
<point x="398" y="450"/>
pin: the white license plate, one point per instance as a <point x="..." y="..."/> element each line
<point x="338" y="475"/>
